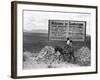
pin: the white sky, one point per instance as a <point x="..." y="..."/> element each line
<point x="34" y="20"/>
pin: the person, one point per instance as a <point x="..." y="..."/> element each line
<point x="68" y="42"/>
<point x="68" y="49"/>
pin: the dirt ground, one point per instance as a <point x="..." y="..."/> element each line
<point x="31" y="63"/>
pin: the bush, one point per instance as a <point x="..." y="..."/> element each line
<point x="48" y="55"/>
<point x="26" y="56"/>
<point x="83" y="56"/>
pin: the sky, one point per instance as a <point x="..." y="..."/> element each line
<point x="38" y="20"/>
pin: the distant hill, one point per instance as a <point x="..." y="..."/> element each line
<point x="35" y="41"/>
<point x="37" y="31"/>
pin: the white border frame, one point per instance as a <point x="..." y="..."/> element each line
<point x="21" y="72"/>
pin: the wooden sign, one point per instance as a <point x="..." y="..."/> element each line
<point x="63" y="29"/>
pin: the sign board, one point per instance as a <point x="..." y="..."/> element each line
<point x="63" y="29"/>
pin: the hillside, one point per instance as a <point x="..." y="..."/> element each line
<point x="34" y="42"/>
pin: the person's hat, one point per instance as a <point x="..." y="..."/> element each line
<point x="71" y="41"/>
<point x="67" y="38"/>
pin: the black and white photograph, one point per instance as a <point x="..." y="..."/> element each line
<point x="55" y="43"/>
<point x="56" y="38"/>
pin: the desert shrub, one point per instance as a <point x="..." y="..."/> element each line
<point x="48" y="55"/>
<point x="26" y="56"/>
<point x="83" y="56"/>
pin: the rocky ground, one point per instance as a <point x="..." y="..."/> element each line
<point x="47" y="58"/>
